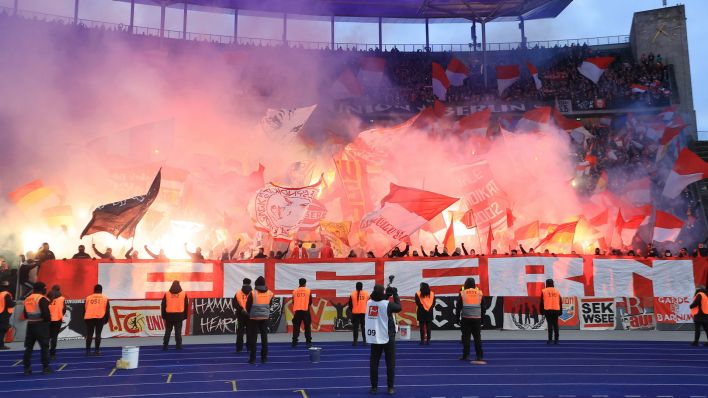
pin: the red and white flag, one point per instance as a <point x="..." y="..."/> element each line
<point x="666" y="227"/>
<point x="593" y="68"/>
<point x="404" y="210"/>
<point x="371" y="71"/>
<point x="535" y="120"/>
<point x="440" y="82"/>
<point x="688" y="169"/>
<point x="626" y="229"/>
<point x="475" y="124"/>
<point x="506" y="76"/>
<point x="576" y="129"/>
<point x="457" y="72"/>
<point x="534" y="74"/>
<point x="346" y="86"/>
<point x="639" y="89"/>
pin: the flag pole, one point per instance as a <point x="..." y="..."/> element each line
<point x="476" y="227"/>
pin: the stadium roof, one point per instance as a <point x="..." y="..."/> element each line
<point x="488" y="10"/>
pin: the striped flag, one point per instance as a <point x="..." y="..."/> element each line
<point x="667" y="227"/>
<point x="440" y="82"/>
<point x="449" y="240"/>
<point x="593" y="68"/>
<point x="688" y="169"/>
<point x="506" y="76"/>
<point x="456" y="72"/>
<point x="534" y="74"/>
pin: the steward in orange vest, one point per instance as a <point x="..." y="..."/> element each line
<point x="469" y="309"/>
<point x="57" y="309"/>
<point x="552" y="308"/>
<point x="258" y="308"/>
<point x="174" y="307"/>
<point x="302" y="300"/>
<point x="357" y="304"/>
<point x="424" y="301"/>
<point x="37" y="314"/>
<point x="96" y="314"/>
<point x="241" y="314"/>
<point x="7" y="306"/>
<point x="699" y="310"/>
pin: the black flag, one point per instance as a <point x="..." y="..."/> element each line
<point x="121" y="218"/>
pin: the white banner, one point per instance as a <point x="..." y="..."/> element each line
<point x="340" y="278"/>
<point x="444" y="275"/>
<point x="152" y="280"/>
<point x="516" y="276"/>
<point x="597" y="313"/>
<point x="235" y="272"/>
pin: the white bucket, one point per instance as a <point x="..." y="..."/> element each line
<point x="315" y="354"/>
<point x="404" y="332"/>
<point x="131" y="355"/>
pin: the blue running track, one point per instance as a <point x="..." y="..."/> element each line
<point x="529" y="369"/>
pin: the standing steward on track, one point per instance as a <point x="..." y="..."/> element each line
<point x="302" y="301"/>
<point x="240" y="299"/>
<point x="381" y="334"/>
<point x="57" y="309"/>
<point x="7" y="307"/>
<point x="174" y="308"/>
<point x="424" y="301"/>
<point x="699" y="310"/>
<point x="96" y="314"/>
<point x="469" y="309"/>
<point x="258" y="307"/>
<point x="357" y="304"/>
<point x="551" y="307"/>
<point x="37" y="314"/>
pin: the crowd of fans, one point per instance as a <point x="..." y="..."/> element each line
<point x="409" y="73"/>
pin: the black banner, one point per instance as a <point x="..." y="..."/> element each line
<point x="218" y="316"/>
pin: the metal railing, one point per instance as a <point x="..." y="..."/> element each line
<point x="314" y="45"/>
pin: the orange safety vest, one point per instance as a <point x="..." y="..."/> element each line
<point x="472" y="303"/>
<point x="95" y="306"/>
<point x="260" y="306"/>
<point x="426" y="302"/>
<point x="10" y="310"/>
<point x="704" y="304"/>
<point x="174" y="303"/>
<point x="34" y="313"/>
<point x="241" y="298"/>
<point x="551" y="299"/>
<point x="359" y="300"/>
<point x="301" y="299"/>
<point x="56" y="309"/>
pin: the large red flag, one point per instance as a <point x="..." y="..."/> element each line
<point x="404" y="210"/>
<point x="688" y="169"/>
<point x="563" y="234"/>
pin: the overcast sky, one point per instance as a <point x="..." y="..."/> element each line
<point x="583" y="18"/>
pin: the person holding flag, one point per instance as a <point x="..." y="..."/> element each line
<point x="381" y="334"/>
<point x="174" y="307"/>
